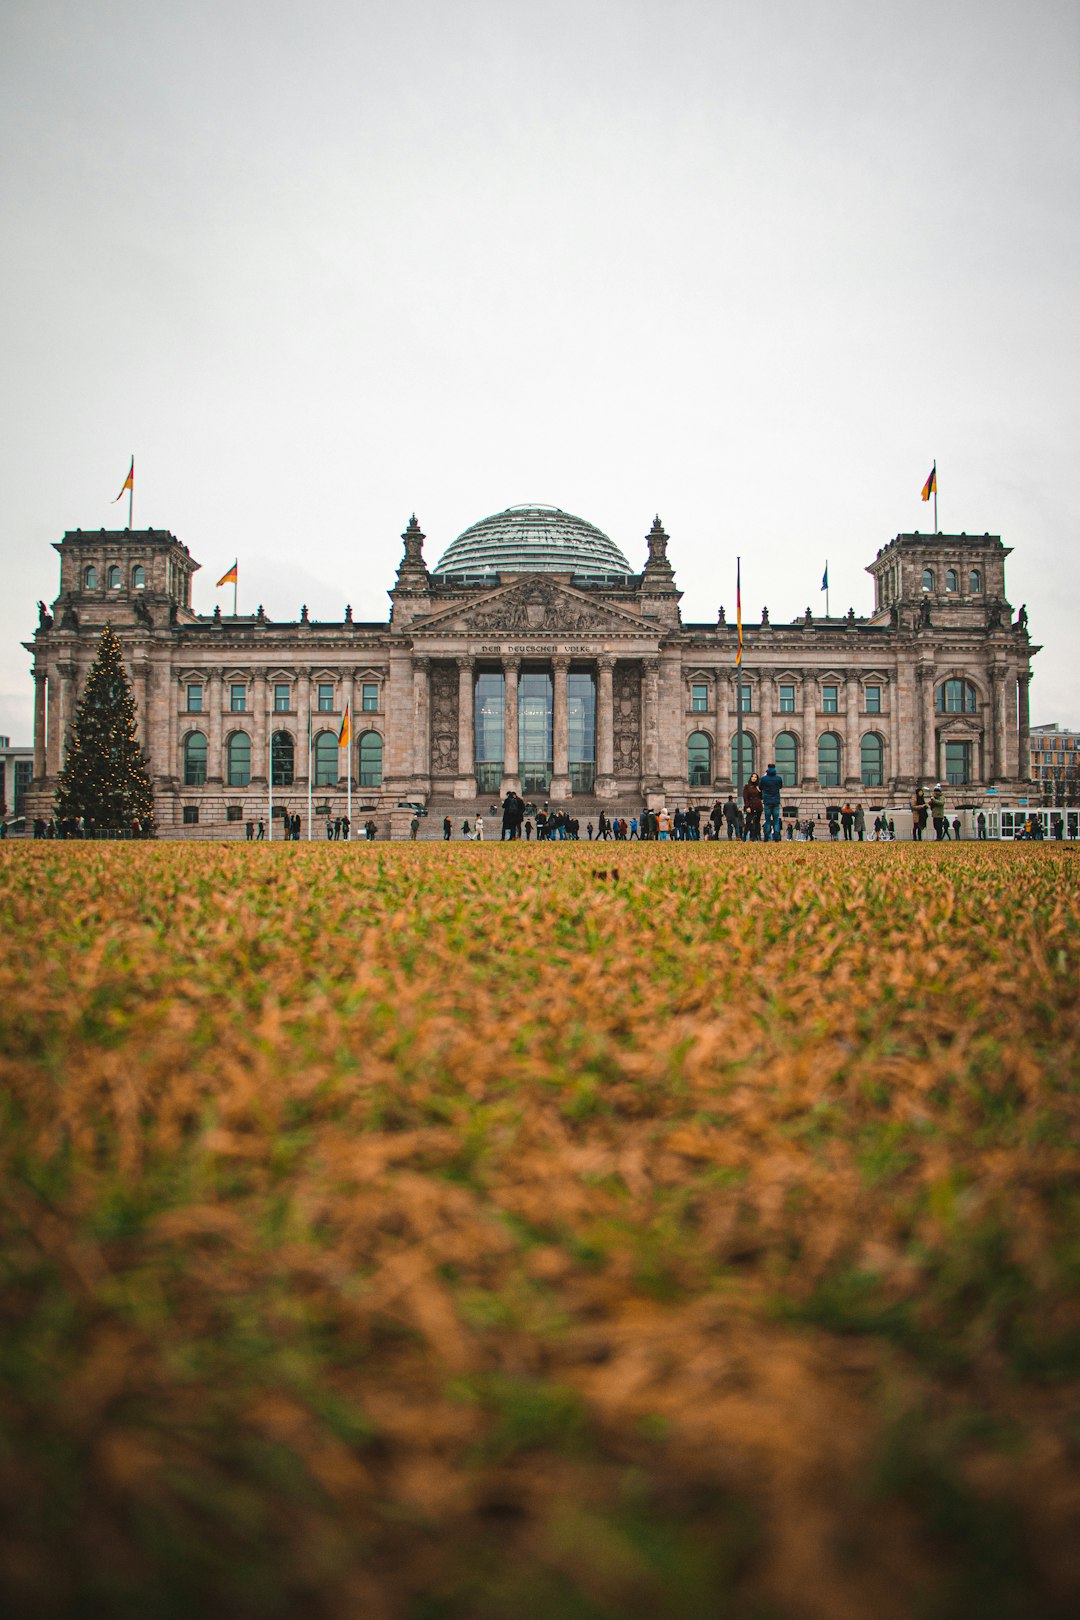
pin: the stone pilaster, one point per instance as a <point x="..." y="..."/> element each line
<point x="421" y="721"/>
<point x="303" y="765"/>
<point x="1023" y="682"/>
<point x="466" y="783"/>
<point x="215" y="763"/>
<point x="650" y="724"/>
<point x="511" y="776"/>
<point x="40" y="680"/>
<point x="261" y="727"/>
<point x="605" y="727"/>
<point x="852" y="744"/>
<point x="766" y="720"/>
<point x="560" y="730"/>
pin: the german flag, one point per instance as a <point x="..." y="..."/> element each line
<point x="738" y="609"/>
<point x="129" y="481"/>
<point x="345" y="734"/>
<point x="930" y="487"/>
<point x="228" y="579"/>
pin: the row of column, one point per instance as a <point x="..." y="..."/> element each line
<point x="560" y="718"/>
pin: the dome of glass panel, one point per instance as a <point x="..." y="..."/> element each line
<point x="533" y="539"/>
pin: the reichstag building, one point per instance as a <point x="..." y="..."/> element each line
<point x="532" y="656"/>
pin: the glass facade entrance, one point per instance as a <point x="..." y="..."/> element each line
<point x="534" y="731"/>
<point x="581" y="704"/>
<point x="488" y="722"/>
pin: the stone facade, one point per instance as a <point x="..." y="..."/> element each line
<point x="933" y="683"/>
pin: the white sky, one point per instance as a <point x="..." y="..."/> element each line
<point x="749" y="265"/>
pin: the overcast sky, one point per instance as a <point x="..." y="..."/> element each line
<point x="752" y="265"/>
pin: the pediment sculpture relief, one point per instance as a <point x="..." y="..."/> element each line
<point x="539" y="608"/>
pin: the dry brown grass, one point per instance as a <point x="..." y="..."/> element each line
<point x="439" y="1232"/>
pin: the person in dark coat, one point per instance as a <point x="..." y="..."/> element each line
<point x="753" y="805"/>
<point x="771" y="788"/>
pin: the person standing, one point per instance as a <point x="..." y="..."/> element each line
<point x="956" y="828"/>
<point x="771" y="788"/>
<point x="980" y="826"/>
<point x="414" y="828"/>
<point x="847" y="820"/>
<point x="478" y="835"/>
<point x="730" y="813"/>
<point x="250" y="831"/>
<point x="860" y="823"/>
<point x="447" y="829"/>
<point x="918" y="814"/>
<point x="937" y="813"/>
<point x="752" y="807"/>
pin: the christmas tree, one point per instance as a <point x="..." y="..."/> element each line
<point x="105" y="779"/>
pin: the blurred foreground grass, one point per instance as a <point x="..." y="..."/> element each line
<point x="437" y="1232"/>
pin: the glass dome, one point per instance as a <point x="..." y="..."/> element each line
<point x="533" y="539"/>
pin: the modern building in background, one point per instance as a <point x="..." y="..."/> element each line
<point x="532" y="656"/>
<point x="1054" y="765"/>
<point x="16" y="770"/>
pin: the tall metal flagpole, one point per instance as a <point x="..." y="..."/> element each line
<point x="235" y="591"/>
<point x="270" y="783"/>
<point x="937" y="528"/>
<point x="738" y="685"/>
<point x="131" y="492"/>
<point x="309" y="773"/>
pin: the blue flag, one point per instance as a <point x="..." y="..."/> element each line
<point x="825" y="578"/>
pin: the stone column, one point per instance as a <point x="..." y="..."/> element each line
<point x="893" y="763"/>
<point x="605" y="727"/>
<point x="421" y="717"/>
<point x="303" y="729"/>
<point x="40" y="679"/>
<point x="852" y="747"/>
<point x="992" y="743"/>
<point x="650" y="724"/>
<point x="466" y="786"/>
<point x="927" y="772"/>
<point x="348" y="697"/>
<point x="67" y="712"/>
<point x="511" y="771"/>
<point x="261" y="728"/>
<point x="1023" y="680"/>
<point x="560" y="730"/>
<point x="215" y="763"/>
<point x="766" y="722"/>
<point x="725" y="725"/>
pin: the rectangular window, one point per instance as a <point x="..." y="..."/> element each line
<point x="957" y="763"/>
<point x="23" y="771"/>
<point x="873" y="700"/>
<point x="699" y="699"/>
<point x="829" y="702"/>
<point x="191" y="815"/>
<point x="281" y="698"/>
<point x="237" y="698"/>
<point x="326" y="697"/>
<point x="194" y="699"/>
<point x="233" y="812"/>
<point x="369" y="697"/>
<point x="746" y="695"/>
<point x="787" y="699"/>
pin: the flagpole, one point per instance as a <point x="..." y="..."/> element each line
<point x="235" y="591"/>
<point x="828" y="615"/>
<point x="131" y="493"/>
<point x="309" y="774"/>
<point x="738" y="686"/>
<point x="937" y="529"/>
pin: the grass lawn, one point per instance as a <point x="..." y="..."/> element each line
<point x="577" y="1232"/>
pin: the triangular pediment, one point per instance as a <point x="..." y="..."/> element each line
<point x="533" y="606"/>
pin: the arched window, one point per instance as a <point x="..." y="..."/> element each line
<point x="138" y="577"/>
<point x="194" y="759"/>
<point x="787" y="757"/>
<point x="956" y="697"/>
<point x="371" y="759"/>
<point x="239" y="759"/>
<point x="326" y="759"/>
<point x="282" y="759"/>
<point x="872" y="760"/>
<point x="699" y="759"/>
<point x="828" y="759"/>
<point x="749" y="756"/>
<point x="90" y="578"/>
<point x="928" y="579"/>
<point x="114" y="578"/>
<point x="952" y="580"/>
<point x="975" y="582"/>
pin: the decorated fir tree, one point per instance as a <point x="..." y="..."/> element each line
<point x="105" y="779"/>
